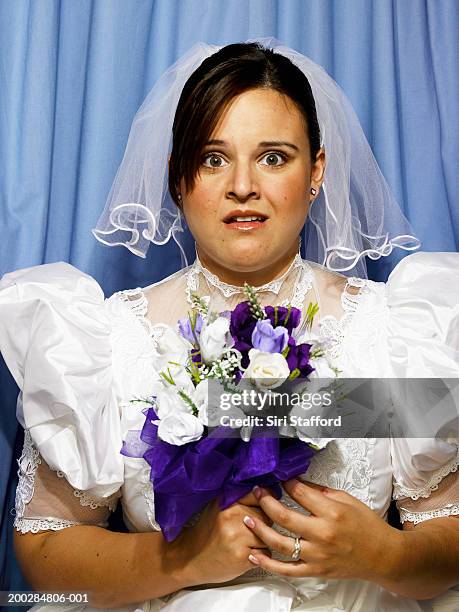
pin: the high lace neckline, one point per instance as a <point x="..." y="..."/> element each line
<point x="298" y="277"/>
<point x="229" y="290"/>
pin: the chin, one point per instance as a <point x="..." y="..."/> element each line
<point x="246" y="256"/>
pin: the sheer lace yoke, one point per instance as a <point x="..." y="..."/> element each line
<point x="337" y="297"/>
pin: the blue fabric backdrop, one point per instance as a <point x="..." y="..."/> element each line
<point x="73" y="73"/>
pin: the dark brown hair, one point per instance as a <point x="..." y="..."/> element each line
<point x="220" y="78"/>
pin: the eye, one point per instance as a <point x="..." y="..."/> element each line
<point x="213" y="160"/>
<point x="275" y="158"/>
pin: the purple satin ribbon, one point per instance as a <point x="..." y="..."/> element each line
<point x="186" y="478"/>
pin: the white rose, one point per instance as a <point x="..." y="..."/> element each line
<point x="309" y="337"/>
<point x="179" y="428"/>
<point x="171" y="343"/>
<point x="269" y="367"/>
<point x="323" y="368"/>
<point x="215" y="338"/>
<point x="168" y="402"/>
<point x="201" y="399"/>
<point x="171" y="347"/>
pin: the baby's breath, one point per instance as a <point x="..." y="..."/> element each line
<point x="198" y="303"/>
<point x="254" y="305"/>
<point x="316" y="352"/>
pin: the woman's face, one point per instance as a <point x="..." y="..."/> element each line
<point x="256" y="165"/>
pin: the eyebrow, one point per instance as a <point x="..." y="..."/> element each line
<point x="264" y="143"/>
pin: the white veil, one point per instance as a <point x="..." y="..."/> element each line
<point x="355" y="214"/>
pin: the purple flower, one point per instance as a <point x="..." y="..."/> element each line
<point x="196" y="356"/>
<point x="298" y="357"/>
<point x="186" y="330"/>
<point x="268" y="339"/>
<point x="242" y="325"/>
<point x="289" y="321"/>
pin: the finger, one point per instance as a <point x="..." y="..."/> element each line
<point x="248" y="500"/>
<point x="255" y="542"/>
<point x="336" y="494"/>
<point x="283" y="568"/>
<point x="271" y="538"/>
<point x="317" y="502"/>
<point x="290" y="519"/>
<point x="314" y="485"/>
<point x="258" y="512"/>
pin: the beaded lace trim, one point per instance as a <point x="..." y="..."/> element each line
<point x="401" y="492"/>
<point x="34" y="525"/>
<point x="147" y="492"/>
<point x="419" y="517"/>
<point x="301" y="287"/>
<point x="28" y="464"/>
<point x="86" y="499"/>
<point x="137" y="302"/>
<point x="333" y="329"/>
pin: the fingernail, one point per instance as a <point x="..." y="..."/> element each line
<point x="253" y="559"/>
<point x="249" y="521"/>
<point x="257" y="491"/>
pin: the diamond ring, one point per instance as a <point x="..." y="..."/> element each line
<point x="296" y="549"/>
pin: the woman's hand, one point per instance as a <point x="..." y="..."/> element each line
<point x="343" y="538"/>
<point x="217" y="547"/>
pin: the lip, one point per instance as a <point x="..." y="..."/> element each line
<point x="245" y="226"/>
<point x="244" y="213"/>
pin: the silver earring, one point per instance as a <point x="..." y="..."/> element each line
<point x="313" y="191"/>
<point x="179" y="197"/>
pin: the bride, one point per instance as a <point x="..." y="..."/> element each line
<point x="265" y="149"/>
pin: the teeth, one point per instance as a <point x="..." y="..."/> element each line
<point x="248" y="218"/>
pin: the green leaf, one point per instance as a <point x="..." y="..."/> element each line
<point x="189" y="401"/>
<point x="286" y="351"/>
<point x="289" y="310"/>
<point x="312" y="310"/>
<point x="167" y="377"/>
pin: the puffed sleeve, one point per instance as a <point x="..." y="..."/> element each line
<point x="423" y="324"/>
<point x="423" y="342"/>
<point x="55" y="338"/>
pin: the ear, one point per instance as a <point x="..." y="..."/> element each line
<point x="318" y="170"/>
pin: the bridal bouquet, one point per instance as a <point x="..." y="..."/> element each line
<point x="193" y="463"/>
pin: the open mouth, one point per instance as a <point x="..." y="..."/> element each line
<point x="245" y="219"/>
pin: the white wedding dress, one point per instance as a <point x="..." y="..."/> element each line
<point x="80" y="359"/>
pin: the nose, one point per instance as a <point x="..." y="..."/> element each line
<point x="242" y="183"/>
